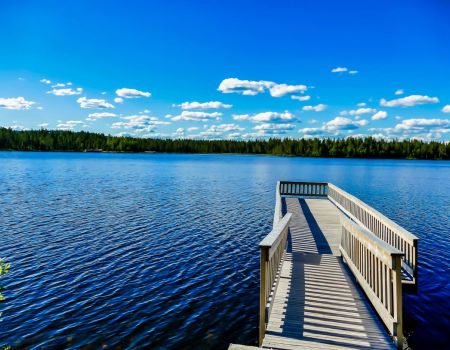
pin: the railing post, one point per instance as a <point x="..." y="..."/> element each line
<point x="398" y="303"/>
<point x="264" y="256"/>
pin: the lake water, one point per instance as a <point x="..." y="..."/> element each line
<point x="128" y="251"/>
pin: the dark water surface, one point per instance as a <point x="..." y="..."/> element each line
<point x="156" y="251"/>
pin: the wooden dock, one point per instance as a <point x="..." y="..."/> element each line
<point x="332" y="272"/>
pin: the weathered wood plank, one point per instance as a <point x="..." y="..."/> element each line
<point x="317" y="304"/>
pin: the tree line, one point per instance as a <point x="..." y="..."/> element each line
<point x="70" y="141"/>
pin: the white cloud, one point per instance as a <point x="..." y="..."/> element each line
<point x="279" y="90"/>
<point x="399" y="92"/>
<point x="241" y="116"/>
<point x="380" y="115"/>
<point x="139" y="123"/>
<point x="358" y="111"/>
<point x="413" y="128"/>
<point x="273" y="129"/>
<point x="15" y="103"/>
<point x="341" y="123"/>
<point x="251" y="88"/>
<point x="191" y="129"/>
<point x="118" y="100"/>
<point x="71" y="124"/>
<point x="353" y="72"/>
<point x="244" y="87"/>
<point x="43" y="125"/>
<point x="409" y="101"/>
<point x="318" y="108"/>
<point x="45" y="81"/>
<point x="361" y="104"/>
<point x="339" y="70"/>
<point x="265" y="117"/>
<point x="131" y="93"/>
<point x="16" y="127"/>
<point x="446" y="109"/>
<point x="421" y="124"/>
<point x="398" y="117"/>
<point x="93" y="103"/>
<point x="195" y="116"/>
<point x="333" y="127"/>
<point x="95" y="116"/>
<point x="301" y="98"/>
<point x="220" y="130"/>
<point x="65" y="92"/>
<point x="204" y="105"/>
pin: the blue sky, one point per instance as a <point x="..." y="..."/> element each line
<point x="227" y="69"/>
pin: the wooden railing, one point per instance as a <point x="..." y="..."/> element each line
<point x="308" y="189"/>
<point x="272" y="249"/>
<point x="377" y="267"/>
<point x="380" y="225"/>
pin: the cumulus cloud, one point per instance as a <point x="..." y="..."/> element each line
<point x="380" y="115"/>
<point x="132" y="93"/>
<point x="446" y="109"/>
<point x="301" y="98"/>
<point x="139" y="123"/>
<point x="266" y="117"/>
<point x="65" y="92"/>
<point x="71" y="124"/>
<point x="273" y="129"/>
<point x="279" y="90"/>
<point x="45" y="81"/>
<point x="361" y="104"/>
<point x="93" y="103"/>
<point x="95" y="116"/>
<point x="204" y="105"/>
<point x="251" y="88"/>
<point x="220" y="130"/>
<point x="334" y="127"/>
<point x="412" y="128"/>
<point x="358" y="111"/>
<point x="399" y="92"/>
<point x="15" y="103"/>
<point x="244" y="87"/>
<point x="409" y="101"/>
<point x="118" y="100"/>
<point x="318" y="108"/>
<point x="196" y="116"/>
<point x="339" y="70"/>
<point x="341" y="123"/>
<point x="344" y="70"/>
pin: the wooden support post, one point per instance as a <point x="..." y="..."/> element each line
<point x="264" y="256"/>
<point x="398" y="303"/>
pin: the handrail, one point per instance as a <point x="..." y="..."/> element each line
<point x="377" y="267"/>
<point x="310" y="189"/>
<point x="380" y="225"/>
<point x="272" y="249"/>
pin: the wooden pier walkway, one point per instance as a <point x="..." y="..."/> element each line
<point x="317" y="304"/>
<point x="331" y="272"/>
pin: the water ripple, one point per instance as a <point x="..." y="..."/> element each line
<point x="160" y="251"/>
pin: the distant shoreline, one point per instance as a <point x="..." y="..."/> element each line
<point x="223" y="154"/>
<point x="357" y="148"/>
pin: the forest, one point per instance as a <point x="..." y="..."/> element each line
<point x="70" y="141"/>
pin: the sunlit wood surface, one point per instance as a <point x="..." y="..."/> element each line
<point x="317" y="304"/>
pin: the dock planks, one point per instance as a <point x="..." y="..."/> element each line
<point x="317" y="304"/>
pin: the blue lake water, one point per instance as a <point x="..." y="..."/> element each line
<point x="129" y="251"/>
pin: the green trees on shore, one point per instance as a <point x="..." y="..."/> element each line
<point x="57" y="140"/>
